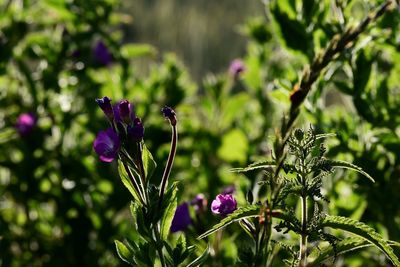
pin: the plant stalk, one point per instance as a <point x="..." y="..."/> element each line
<point x="170" y="161"/>
<point x="336" y="46"/>
<point x="159" y="248"/>
<point x="303" y="241"/>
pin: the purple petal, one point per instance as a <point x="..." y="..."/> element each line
<point x="223" y="204"/>
<point x="181" y="218"/>
<point x="107" y="145"/>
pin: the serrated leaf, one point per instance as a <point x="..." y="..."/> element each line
<point x="149" y="164"/>
<point x="350" y="166"/>
<point x="201" y="259"/>
<point x="255" y="166"/>
<point x="241" y="213"/>
<point x="169" y="212"/>
<point x="361" y="230"/>
<point x="124" y="252"/>
<point x="342" y="247"/>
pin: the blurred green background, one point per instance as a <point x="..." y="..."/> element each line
<point x="204" y="34"/>
<point x="61" y="206"/>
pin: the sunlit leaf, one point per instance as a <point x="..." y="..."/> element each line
<point x="124" y="252"/>
<point x="363" y="231"/>
<point x="347" y="165"/>
<point x="241" y="213"/>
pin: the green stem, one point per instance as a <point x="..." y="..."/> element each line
<point x="170" y="161"/>
<point x="303" y="241"/>
<point x="336" y="46"/>
<point x="159" y="246"/>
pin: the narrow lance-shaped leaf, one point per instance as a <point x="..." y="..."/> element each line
<point x="321" y="136"/>
<point x="255" y="166"/>
<point x="124" y="252"/>
<point x="149" y="164"/>
<point x="347" y="165"/>
<point x="201" y="259"/>
<point x="127" y="181"/>
<point x="361" y="230"/>
<point x="241" y="213"/>
<point x="169" y="212"/>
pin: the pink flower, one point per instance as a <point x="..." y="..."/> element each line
<point x="25" y="123"/>
<point x="224" y="204"/>
<point x="236" y="68"/>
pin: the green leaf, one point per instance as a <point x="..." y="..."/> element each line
<point x="141" y="224"/>
<point x="234" y="146"/>
<point x="241" y="213"/>
<point x="137" y="50"/>
<point x="320" y="136"/>
<point x="149" y="164"/>
<point x="347" y="245"/>
<point x="362" y="72"/>
<point x="124" y="252"/>
<point x="230" y="107"/>
<point x="361" y="230"/>
<point x="169" y="212"/>
<point x="256" y="166"/>
<point x="347" y="165"/>
<point x="127" y="181"/>
<point x="292" y="31"/>
<point x="201" y="259"/>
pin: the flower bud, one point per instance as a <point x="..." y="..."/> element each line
<point x="169" y="114"/>
<point x="101" y="54"/>
<point x="299" y="134"/>
<point x="125" y="111"/>
<point x="105" y="104"/>
<point x="136" y="131"/>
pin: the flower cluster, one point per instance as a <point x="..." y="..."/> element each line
<point x="126" y="129"/>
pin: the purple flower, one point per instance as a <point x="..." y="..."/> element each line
<point x="223" y="204"/>
<point x="105" y="104"/>
<point x="181" y="218"/>
<point x="107" y="145"/>
<point x="170" y="114"/>
<point x="25" y="123"/>
<point x="199" y="203"/>
<point x="125" y="111"/>
<point x="236" y="68"/>
<point x="101" y="54"/>
<point x="136" y="132"/>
